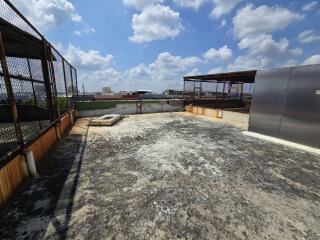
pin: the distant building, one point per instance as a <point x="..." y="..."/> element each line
<point x="107" y="91"/>
<point x="141" y="93"/>
<point x="170" y="93"/>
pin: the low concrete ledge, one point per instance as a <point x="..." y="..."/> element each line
<point x="283" y="142"/>
<point x="106" y="120"/>
<point x="135" y="107"/>
<point x="235" y="116"/>
<point x="232" y="116"/>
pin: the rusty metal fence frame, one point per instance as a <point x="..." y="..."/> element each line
<point x="36" y="89"/>
<point x="220" y="90"/>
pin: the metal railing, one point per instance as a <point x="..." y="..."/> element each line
<point x="36" y="82"/>
<point x="218" y="93"/>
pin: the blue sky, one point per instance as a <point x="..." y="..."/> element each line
<point x="152" y="44"/>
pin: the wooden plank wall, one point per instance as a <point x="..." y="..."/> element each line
<point x="216" y="113"/>
<point x="41" y="146"/>
<point x="12" y="174"/>
<point x="65" y="122"/>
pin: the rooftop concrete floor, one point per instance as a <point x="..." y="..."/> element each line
<point x="168" y="176"/>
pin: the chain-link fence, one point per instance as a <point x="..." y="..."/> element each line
<point x="36" y="82"/>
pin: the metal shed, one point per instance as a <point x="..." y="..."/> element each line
<point x="283" y="102"/>
<point x="286" y="104"/>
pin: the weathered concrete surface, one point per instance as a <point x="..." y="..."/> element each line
<point x="168" y="176"/>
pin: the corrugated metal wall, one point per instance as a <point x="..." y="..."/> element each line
<point x="286" y="104"/>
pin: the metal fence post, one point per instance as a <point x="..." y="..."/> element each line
<point x="54" y="82"/>
<point x="75" y="70"/>
<point x="65" y="81"/>
<point x="13" y="106"/>
<point x="184" y="91"/>
<point x="71" y="80"/>
<point x="46" y="76"/>
<point x="217" y="100"/>
<point x="224" y="89"/>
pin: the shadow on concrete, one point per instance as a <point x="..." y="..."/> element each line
<point x="49" y="198"/>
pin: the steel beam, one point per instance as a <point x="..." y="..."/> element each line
<point x="10" y="94"/>
<point x="53" y="76"/>
<point x="47" y="81"/>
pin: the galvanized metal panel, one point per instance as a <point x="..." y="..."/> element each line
<point x="301" y="116"/>
<point x="268" y="101"/>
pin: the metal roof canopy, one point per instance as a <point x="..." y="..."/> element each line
<point x="19" y="43"/>
<point x="233" y="77"/>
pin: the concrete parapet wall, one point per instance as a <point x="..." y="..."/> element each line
<point x="134" y="108"/>
<point x="211" y="112"/>
<point x="235" y="116"/>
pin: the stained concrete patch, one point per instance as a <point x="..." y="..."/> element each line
<point x="168" y="176"/>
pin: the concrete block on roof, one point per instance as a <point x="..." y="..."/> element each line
<point x="106" y="120"/>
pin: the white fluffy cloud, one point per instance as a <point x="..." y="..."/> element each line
<point x="253" y="27"/>
<point x="86" y="30"/>
<point x="155" y="22"/>
<point x="252" y="20"/>
<point x="195" y="4"/>
<point x="264" y="45"/>
<point x="96" y="80"/>
<point x="245" y="62"/>
<point x="77" y="33"/>
<point x="309" y="36"/>
<point x="140" y="4"/>
<point x="221" y="54"/>
<point x="95" y="70"/>
<point x="315" y="59"/>
<point x="309" y="6"/>
<point x="216" y="70"/>
<point x="263" y="52"/>
<point x="87" y="60"/>
<point x="48" y="13"/>
<point x="175" y="64"/>
<point x="165" y="72"/>
<point x="222" y="7"/>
